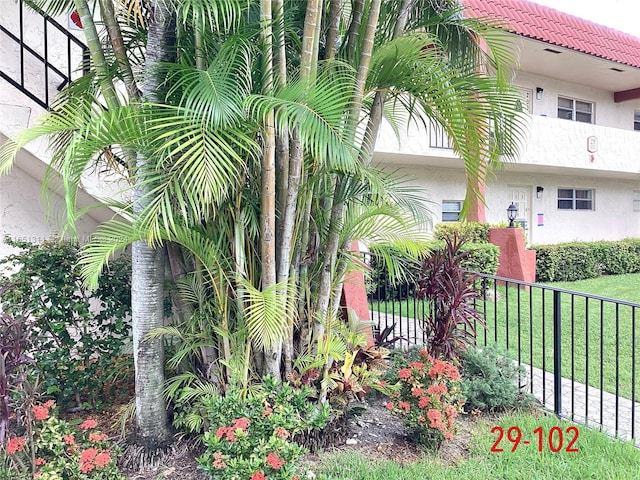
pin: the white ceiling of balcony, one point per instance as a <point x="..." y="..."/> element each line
<point x="575" y="67"/>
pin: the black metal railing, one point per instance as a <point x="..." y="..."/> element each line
<point x="438" y="138"/>
<point x="579" y="350"/>
<point x="37" y="71"/>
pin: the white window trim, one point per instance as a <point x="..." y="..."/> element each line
<point x="574" y="199"/>
<point x="459" y="202"/>
<point x="574" y="110"/>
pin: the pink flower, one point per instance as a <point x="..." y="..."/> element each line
<point x="221" y="432"/>
<point x="217" y="461"/>
<point x="424" y="402"/>
<point x="267" y="411"/>
<point x="418" y="365"/>
<point x="404" y="374"/>
<point x="40" y="461"/>
<point x="15" y="444"/>
<point x="274" y="461"/>
<point x="88" y="424"/>
<point x="448" y="436"/>
<point x="88" y="455"/>
<point x="281" y="433"/>
<point x="49" y="404"/>
<point x="69" y="439"/>
<point x="389" y="406"/>
<point x="434" y="415"/>
<point x="258" y="475"/>
<point x="40" y="412"/>
<point x="97" y="437"/>
<point x="241" y="423"/>
<point x="103" y="458"/>
<point x="417" y="392"/>
<point x="404" y="405"/>
<point x="86" y="467"/>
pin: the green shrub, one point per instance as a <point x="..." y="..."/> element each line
<point x="77" y="335"/>
<point x="428" y="399"/>
<point x="491" y="381"/>
<point x="568" y="262"/>
<point x="468" y="232"/>
<point x="251" y="437"/>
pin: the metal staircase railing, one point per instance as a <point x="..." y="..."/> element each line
<point x="51" y="71"/>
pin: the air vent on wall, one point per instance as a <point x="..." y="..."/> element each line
<point x="550" y="50"/>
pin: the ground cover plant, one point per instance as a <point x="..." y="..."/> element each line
<point x="598" y="456"/>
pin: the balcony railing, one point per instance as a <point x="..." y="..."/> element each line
<point x="438" y="137"/>
<point x="38" y="64"/>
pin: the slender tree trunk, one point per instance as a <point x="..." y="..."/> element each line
<point x="333" y="24"/>
<point x="273" y="355"/>
<point x="147" y="292"/>
<point x="337" y="210"/>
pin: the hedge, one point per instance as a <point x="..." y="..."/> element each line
<point x="567" y="262"/>
<point x="469" y="232"/>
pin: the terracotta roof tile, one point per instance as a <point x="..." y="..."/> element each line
<point x="558" y="28"/>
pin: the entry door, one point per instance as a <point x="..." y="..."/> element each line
<point x="520" y="195"/>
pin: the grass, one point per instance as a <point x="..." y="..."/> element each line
<point x="598" y="457"/>
<point x="528" y="331"/>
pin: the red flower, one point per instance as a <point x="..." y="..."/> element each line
<point x="258" y="475"/>
<point x="281" y="433"/>
<point x="103" y="458"/>
<point x="241" y="423"/>
<point x="448" y="436"/>
<point x="274" y="461"/>
<point x="434" y="415"/>
<point x="417" y="392"/>
<point x="404" y="405"/>
<point x="438" y="368"/>
<point x="267" y="411"/>
<point x="88" y="424"/>
<point x="404" y="374"/>
<point x="86" y="467"/>
<point x="423" y="353"/>
<point x="68" y="439"/>
<point x="418" y="365"/>
<point x="437" y="389"/>
<point x="217" y="461"/>
<point x="451" y="411"/>
<point x="15" y="444"/>
<point x="452" y="372"/>
<point x="40" y="461"/>
<point x="389" y="406"/>
<point x="221" y="432"/>
<point x="40" y="412"/>
<point x="97" y="437"/>
<point x="88" y="455"/>
<point x="49" y="404"/>
<point x="424" y="402"/>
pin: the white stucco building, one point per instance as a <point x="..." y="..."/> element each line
<point x="576" y="179"/>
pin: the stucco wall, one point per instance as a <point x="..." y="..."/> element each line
<point x="24" y="216"/>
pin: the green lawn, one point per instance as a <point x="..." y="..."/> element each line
<point x="582" y="352"/>
<point x="598" y="457"/>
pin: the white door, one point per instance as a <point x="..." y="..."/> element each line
<point x="520" y="195"/>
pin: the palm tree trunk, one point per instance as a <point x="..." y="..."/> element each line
<point x="147" y="292"/>
<point x="332" y="29"/>
<point x="337" y="210"/>
<point x="273" y="354"/>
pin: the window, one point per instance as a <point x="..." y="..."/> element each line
<point x="636" y="201"/>
<point x="575" y="199"/>
<point x="577" y="110"/>
<point x="451" y="210"/>
<point x="636" y="121"/>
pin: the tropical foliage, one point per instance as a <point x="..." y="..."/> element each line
<point x="245" y="131"/>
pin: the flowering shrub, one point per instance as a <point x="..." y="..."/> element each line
<point x="428" y="399"/>
<point x="251" y="438"/>
<point x="51" y="449"/>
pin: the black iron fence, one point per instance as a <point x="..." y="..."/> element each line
<point x="579" y="350"/>
<point x="40" y="56"/>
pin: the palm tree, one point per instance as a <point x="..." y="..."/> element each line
<point x="252" y="152"/>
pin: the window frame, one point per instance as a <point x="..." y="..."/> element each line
<point x="576" y="200"/>
<point x="443" y="212"/>
<point x="575" y="111"/>
<point x="636" y="201"/>
<point x="636" y="121"/>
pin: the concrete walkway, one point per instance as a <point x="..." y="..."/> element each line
<point x="618" y="417"/>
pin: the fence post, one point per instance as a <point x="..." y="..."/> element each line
<point x="557" y="356"/>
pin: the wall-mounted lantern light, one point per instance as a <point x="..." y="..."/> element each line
<point x="512" y="213"/>
<point x="539" y="91"/>
<point x="539" y="191"/>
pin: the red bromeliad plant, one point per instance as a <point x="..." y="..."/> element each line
<point x="450" y="324"/>
<point x="429" y="399"/>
